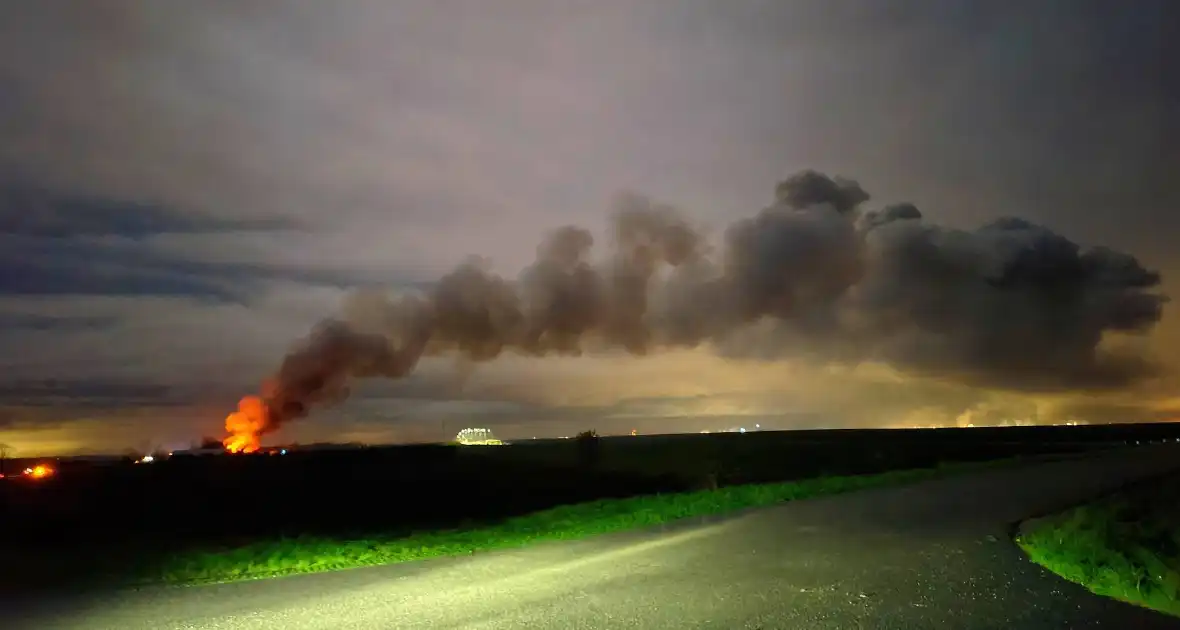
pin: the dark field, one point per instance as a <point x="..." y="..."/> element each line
<point x="90" y="522"/>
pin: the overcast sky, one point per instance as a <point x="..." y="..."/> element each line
<point x="187" y="187"/>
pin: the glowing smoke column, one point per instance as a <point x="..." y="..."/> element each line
<point x="318" y="370"/>
<point x="1010" y="304"/>
<point x="647" y="236"/>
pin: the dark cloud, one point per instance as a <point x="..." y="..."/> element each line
<point x="37" y="211"/>
<point x="895" y="212"/>
<point x="93" y="267"/>
<point x="809" y="188"/>
<point x="1010" y="304"/>
<point x="19" y="321"/>
<point x="96" y="393"/>
<point x="32" y="267"/>
<point x="58" y="243"/>
<point x="67" y="244"/>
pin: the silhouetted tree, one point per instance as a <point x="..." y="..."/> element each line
<point x="589" y="451"/>
<point x="5" y="451"/>
<point x="210" y="442"/>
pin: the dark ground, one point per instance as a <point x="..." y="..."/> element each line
<point x="89" y="523"/>
<point x="933" y="555"/>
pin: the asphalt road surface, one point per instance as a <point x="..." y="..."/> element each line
<point x="936" y="554"/>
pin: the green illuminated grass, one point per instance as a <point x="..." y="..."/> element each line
<point x="316" y="554"/>
<point x="1115" y="548"/>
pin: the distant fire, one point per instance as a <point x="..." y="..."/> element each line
<point x="245" y="426"/>
<point x="40" y="471"/>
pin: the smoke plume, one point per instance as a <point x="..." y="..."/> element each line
<point x="1010" y="304"/>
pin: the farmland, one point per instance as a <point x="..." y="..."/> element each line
<point x="90" y="522"/>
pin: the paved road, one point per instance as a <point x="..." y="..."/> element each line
<point x="932" y="555"/>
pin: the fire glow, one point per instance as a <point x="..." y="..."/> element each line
<point x="40" y="471"/>
<point x="246" y="425"/>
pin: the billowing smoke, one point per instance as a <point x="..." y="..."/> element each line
<point x="1011" y="304"/>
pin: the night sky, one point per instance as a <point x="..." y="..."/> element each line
<point x="186" y="188"/>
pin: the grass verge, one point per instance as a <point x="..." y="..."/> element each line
<point x="1121" y="547"/>
<point x="289" y="556"/>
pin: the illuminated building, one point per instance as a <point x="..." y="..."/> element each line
<point x="477" y="437"/>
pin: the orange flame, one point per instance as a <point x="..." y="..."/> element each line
<point x="245" y="426"/>
<point x="40" y="471"/>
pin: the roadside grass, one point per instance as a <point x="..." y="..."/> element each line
<point x="1119" y="548"/>
<point x="311" y="554"/>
